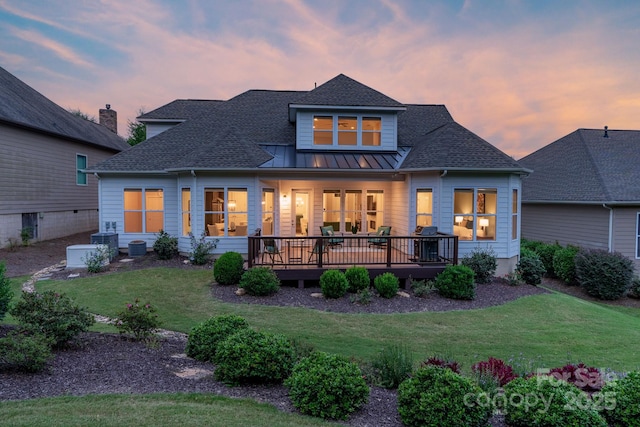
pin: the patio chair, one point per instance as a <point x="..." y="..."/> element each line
<point x="380" y="240"/>
<point x="271" y="249"/>
<point x="327" y="231"/>
<point x="317" y="249"/>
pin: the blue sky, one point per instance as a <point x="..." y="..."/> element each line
<point x="520" y="74"/>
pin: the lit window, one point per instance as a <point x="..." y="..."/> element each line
<point x="424" y="207"/>
<point x="474" y="213"/>
<point x="226" y="211"/>
<point x="81" y="163"/>
<point x="514" y="214"/>
<point x="371" y="131"/>
<point x="323" y="130"/>
<point x="186" y="211"/>
<point x="347" y="130"/>
<point x="143" y="210"/>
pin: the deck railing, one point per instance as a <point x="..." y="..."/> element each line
<point x="351" y="249"/>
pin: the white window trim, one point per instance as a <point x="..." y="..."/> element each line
<point x="144" y="209"/>
<point x="86" y="162"/>
<point x="336" y="131"/>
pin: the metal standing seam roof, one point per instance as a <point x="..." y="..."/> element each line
<point x="286" y="157"/>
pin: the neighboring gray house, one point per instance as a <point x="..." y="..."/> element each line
<point x="43" y="149"/>
<point x="288" y="162"/>
<point x="584" y="191"/>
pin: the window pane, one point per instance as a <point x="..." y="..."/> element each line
<point x="133" y="222"/>
<point x="486" y="227"/>
<point x="514" y="201"/>
<point x="487" y="201"/>
<point x="132" y="199"/>
<point x="323" y="130"/>
<point x="214" y="208"/>
<point x="371" y="127"/>
<point x="186" y="211"/>
<point x="268" y="200"/>
<point x="154" y="222"/>
<point x="81" y="163"/>
<point x="353" y="210"/>
<point x="347" y="130"/>
<point x="331" y="208"/>
<point x="154" y="200"/>
<point x="424" y="207"/>
<point x="375" y="208"/>
<point x="463" y="201"/>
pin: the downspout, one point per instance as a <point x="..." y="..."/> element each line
<point x="444" y="173"/>
<point x="100" y="222"/>
<point x="604" y="205"/>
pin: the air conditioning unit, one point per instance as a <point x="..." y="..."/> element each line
<point x="109" y="239"/>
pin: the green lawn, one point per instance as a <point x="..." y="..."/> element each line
<point x="547" y="330"/>
<point x="552" y="329"/>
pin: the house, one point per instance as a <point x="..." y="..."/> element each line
<point x="583" y="191"/>
<point x="44" y="148"/>
<point x="288" y="162"/>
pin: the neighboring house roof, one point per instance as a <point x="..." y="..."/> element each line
<point x="253" y="130"/>
<point x="23" y="106"/>
<point x="585" y="167"/>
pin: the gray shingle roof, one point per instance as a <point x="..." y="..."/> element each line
<point x="237" y="134"/>
<point x="23" y="106"/>
<point x="584" y="166"/>
<point x="343" y="90"/>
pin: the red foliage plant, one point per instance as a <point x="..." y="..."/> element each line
<point x="584" y="377"/>
<point x="496" y="368"/>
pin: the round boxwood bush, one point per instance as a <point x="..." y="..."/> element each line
<point x="228" y="269"/>
<point x="625" y="393"/>
<point x="564" y="264"/>
<point x="483" y="262"/>
<point x="439" y="397"/>
<point x="457" y="282"/>
<point x="605" y="275"/>
<point x="25" y="352"/>
<point x="204" y="338"/>
<point x="333" y="284"/>
<point x="358" y="278"/>
<point x="260" y="281"/>
<point x="546" y="401"/>
<point x="327" y="386"/>
<point x="530" y="268"/>
<point x="249" y="356"/>
<point x="387" y="284"/>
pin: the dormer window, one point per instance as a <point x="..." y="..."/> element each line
<point x="347" y="130"/>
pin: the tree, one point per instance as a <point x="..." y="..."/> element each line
<point x="81" y="114"/>
<point x="137" y="130"/>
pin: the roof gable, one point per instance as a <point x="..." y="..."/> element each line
<point x="23" y="106"/>
<point x="344" y="91"/>
<point x="585" y="166"/>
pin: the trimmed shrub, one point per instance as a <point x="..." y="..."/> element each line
<point x="564" y="264"/>
<point x="603" y="274"/>
<point x="634" y="289"/>
<point x="439" y="397"/>
<point x="51" y="314"/>
<point x="249" y="356"/>
<point x="362" y="297"/>
<point x="387" y="284"/>
<point x="228" y="269"/>
<point x="483" y="262"/>
<point x="333" y="284"/>
<point x="139" y="320"/>
<point x="392" y="365"/>
<point x="457" y="282"/>
<point x="260" y="281"/>
<point x="496" y="368"/>
<point x="327" y="386"/>
<point x="25" y="352"/>
<point x="204" y="338"/>
<point x="547" y="251"/>
<point x="358" y="278"/>
<point x="545" y="401"/>
<point x="6" y="294"/>
<point x="530" y="268"/>
<point x="532" y="245"/>
<point x="626" y="406"/>
<point x="165" y="246"/>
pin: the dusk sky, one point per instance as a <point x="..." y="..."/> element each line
<point x="520" y="74"/>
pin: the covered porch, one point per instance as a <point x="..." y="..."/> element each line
<point x="305" y="258"/>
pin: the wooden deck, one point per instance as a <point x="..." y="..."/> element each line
<point x="304" y="258"/>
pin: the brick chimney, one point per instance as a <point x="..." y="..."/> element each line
<point x="109" y="118"/>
